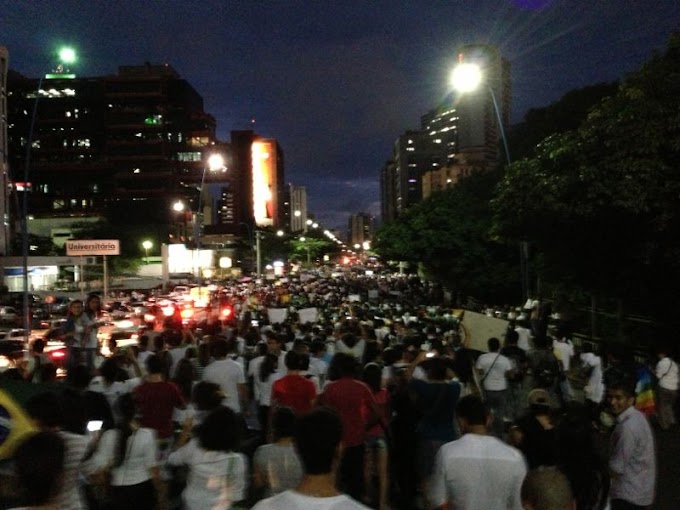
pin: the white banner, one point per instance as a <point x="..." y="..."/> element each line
<point x="308" y="315"/>
<point x="354" y="297"/>
<point x="277" y="315"/>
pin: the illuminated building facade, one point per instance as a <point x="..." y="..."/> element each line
<point x="360" y="229"/>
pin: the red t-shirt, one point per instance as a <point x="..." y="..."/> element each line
<point x="294" y="391"/>
<point x="380" y="397"/>
<point x="155" y="402"/>
<point x="350" y="398"/>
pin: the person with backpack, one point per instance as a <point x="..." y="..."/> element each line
<point x="518" y="358"/>
<point x="544" y="366"/>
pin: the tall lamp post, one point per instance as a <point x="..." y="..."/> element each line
<point x="215" y="164"/>
<point x="467" y="77"/>
<point x="65" y="56"/>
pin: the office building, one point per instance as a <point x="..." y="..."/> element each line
<point x="123" y="147"/>
<point x="4" y="166"/>
<point x="360" y="230"/>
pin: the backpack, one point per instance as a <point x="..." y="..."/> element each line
<point x="546" y="371"/>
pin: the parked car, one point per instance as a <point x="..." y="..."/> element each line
<point x="8" y="315"/>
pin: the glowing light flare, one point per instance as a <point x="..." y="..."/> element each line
<point x="466" y="77"/>
<point x="216" y="162"/>
<point x="168" y="311"/>
<point x="67" y="55"/>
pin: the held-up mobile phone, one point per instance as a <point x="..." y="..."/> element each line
<point x="94" y="425"/>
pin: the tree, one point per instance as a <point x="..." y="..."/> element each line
<point x="448" y="235"/>
<point x="601" y="202"/>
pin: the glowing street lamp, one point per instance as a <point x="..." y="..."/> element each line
<point x="147" y="246"/>
<point x="178" y="206"/>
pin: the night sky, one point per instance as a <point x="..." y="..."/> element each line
<point x="337" y="82"/>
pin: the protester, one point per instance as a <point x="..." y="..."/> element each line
<point x="494" y="369"/>
<point x="667" y="392"/>
<point x="277" y="466"/>
<point x="217" y="474"/>
<point x="228" y="374"/>
<point x="317" y="438"/>
<point x="477" y="471"/>
<point x="547" y="488"/>
<point x="632" y="458"/>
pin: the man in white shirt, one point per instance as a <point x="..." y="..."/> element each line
<point x="228" y="374"/>
<point x="524" y="335"/>
<point x="563" y="350"/>
<point x="317" y="438"/>
<point x="493" y="369"/>
<point x="477" y="471"/>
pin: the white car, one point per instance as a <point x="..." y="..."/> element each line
<point x="8" y="314"/>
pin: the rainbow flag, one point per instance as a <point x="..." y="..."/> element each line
<point x="644" y="390"/>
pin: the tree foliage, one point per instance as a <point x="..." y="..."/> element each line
<point x="602" y="202"/>
<point x="448" y="235"/>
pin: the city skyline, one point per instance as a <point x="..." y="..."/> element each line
<point x="337" y="85"/>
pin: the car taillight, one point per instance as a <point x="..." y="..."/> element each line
<point x="226" y="312"/>
<point x="58" y="354"/>
<point x="168" y="311"/>
<point x="187" y="313"/>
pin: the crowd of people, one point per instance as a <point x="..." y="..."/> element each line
<point x="341" y="394"/>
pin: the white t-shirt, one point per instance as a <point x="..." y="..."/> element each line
<point x="228" y="374"/>
<point x="477" y="472"/>
<point x="141" y="454"/>
<point x="494" y="367"/>
<point x="114" y="390"/>
<point x="71" y="496"/>
<point x="176" y="355"/>
<point x="524" y="335"/>
<point x="254" y="372"/>
<point x="216" y="480"/>
<point x="563" y="351"/>
<point x="291" y="500"/>
<point x="594" y="388"/>
<point x="667" y="373"/>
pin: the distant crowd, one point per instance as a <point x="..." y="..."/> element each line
<point x="333" y="393"/>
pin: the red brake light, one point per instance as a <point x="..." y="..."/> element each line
<point x="187" y="313"/>
<point x="226" y="312"/>
<point x="58" y="354"/>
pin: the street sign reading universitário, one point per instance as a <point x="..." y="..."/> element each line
<point x="86" y="247"/>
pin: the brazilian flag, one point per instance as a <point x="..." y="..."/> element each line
<point x="15" y="424"/>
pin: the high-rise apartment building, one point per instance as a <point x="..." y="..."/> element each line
<point x="460" y="136"/>
<point x="297" y="208"/>
<point x="360" y="229"/>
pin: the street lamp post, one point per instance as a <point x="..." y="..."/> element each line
<point x="467" y="77"/>
<point x="215" y="164"/>
<point x="147" y="246"/>
<point x="66" y="56"/>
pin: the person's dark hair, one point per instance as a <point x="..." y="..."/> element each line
<point x="473" y="410"/>
<point x="268" y="366"/>
<point x="143" y="341"/>
<point x="79" y="376"/>
<point x="88" y="301"/>
<point x="173" y="337"/>
<point x="579" y="459"/>
<point x="349" y="339"/>
<point x="296" y="360"/>
<point x="48" y="373"/>
<point x="511" y="337"/>
<point x="38" y="345"/>
<point x="206" y="395"/>
<point x="220" y="431"/>
<point x="154" y="365"/>
<point x="372" y="376"/>
<point x="158" y="343"/>
<point x="625" y="382"/>
<point x="435" y="368"/>
<point x="46" y="408"/>
<point x="184" y="377"/>
<point x="126" y="410"/>
<point x="494" y="344"/>
<point x="39" y="468"/>
<point x="220" y="347"/>
<point x="283" y="422"/>
<point x="317" y="346"/>
<point x="342" y="365"/>
<point x="391" y="355"/>
<point x="109" y="370"/>
<point x="317" y="436"/>
<point x="74" y="418"/>
<point x="546" y="488"/>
